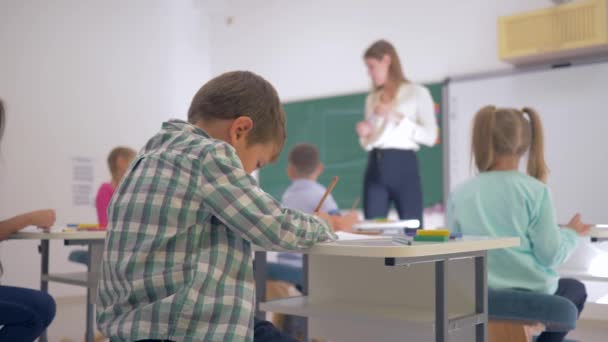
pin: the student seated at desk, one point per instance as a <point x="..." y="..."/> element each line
<point x="177" y="263"/>
<point x="118" y="163"/>
<point x="24" y="313"/>
<point x="304" y="193"/>
<point x="502" y="201"/>
<point x="304" y="168"/>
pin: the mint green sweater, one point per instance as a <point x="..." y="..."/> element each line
<point x="511" y="203"/>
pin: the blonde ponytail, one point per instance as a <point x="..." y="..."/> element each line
<point x="482" y="144"/>
<point x="537" y="167"/>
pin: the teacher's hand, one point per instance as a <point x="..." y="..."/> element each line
<point x="382" y="109"/>
<point x="364" y="129"/>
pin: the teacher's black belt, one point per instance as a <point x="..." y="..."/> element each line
<point x="379" y="153"/>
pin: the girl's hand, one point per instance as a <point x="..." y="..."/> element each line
<point x="364" y="129"/>
<point x="578" y="226"/>
<point x="42" y="218"/>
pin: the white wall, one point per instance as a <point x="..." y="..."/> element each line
<point x="313" y="48"/>
<point x="78" y="78"/>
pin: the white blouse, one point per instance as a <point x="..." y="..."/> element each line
<point x="411" y="123"/>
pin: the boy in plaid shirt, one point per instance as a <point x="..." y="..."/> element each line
<point x="177" y="263"/>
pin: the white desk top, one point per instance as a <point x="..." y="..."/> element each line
<point x="58" y="235"/>
<point x="386" y="248"/>
<point x="598" y="232"/>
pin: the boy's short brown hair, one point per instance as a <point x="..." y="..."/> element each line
<point x="242" y="93"/>
<point x="305" y="159"/>
<point x="119" y="152"/>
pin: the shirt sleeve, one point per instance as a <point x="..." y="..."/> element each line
<point x="235" y="199"/>
<point x="102" y="201"/>
<point x="330" y="206"/>
<point x="425" y="129"/>
<point x="551" y="245"/>
<point x="450" y="217"/>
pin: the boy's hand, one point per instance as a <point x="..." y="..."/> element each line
<point x="325" y="216"/>
<point x="42" y="218"/>
<point x="346" y="222"/>
<point x="578" y="226"/>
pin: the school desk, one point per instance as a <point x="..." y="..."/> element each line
<point x="379" y="290"/>
<point x="94" y="240"/>
<point x="598" y="234"/>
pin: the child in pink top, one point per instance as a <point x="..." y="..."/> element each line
<point x="118" y="162"/>
<point x="104" y="195"/>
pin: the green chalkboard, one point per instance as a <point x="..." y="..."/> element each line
<point x="329" y="123"/>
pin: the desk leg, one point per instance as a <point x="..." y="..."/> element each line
<point x="441" y="308"/>
<point x="44" y="271"/>
<point x="260" y="273"/>
<point x="95" y="254"/>
<point x="481" y="296"/>
<point x="305" y="289"/>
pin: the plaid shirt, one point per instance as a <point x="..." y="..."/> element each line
<point x="177" y="262"/>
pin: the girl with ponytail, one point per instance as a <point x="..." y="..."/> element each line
<point x="502" y="201"/>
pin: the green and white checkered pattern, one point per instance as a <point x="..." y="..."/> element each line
<point x="177" y="262"/>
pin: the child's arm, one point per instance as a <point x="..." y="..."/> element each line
<point x="450" y="218"/>
<point x="102" y="202"/>
<point x="41" y="218"/>
<point x="236" y="200"/>
<point x="335" y="217"/>
<point x="551" y="245"/>
<point x="330" y="206"/>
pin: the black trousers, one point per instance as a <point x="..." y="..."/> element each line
<point x="576" y="292"/>
<point x="263" y="331"/>
<point x="392" y="177"/>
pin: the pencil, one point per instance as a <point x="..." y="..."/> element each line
<point x="327" y="192"/>
<point x="355" y="204"/>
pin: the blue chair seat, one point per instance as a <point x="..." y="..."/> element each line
<point x="556" y="313"/>
<point x="79" y="256"/>
<point x="287" y="273"/>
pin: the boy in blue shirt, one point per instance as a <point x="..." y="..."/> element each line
<point x="304" y="193"/>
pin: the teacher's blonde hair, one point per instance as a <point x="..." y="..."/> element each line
<point x="508" y="131"/>
<point x="396" y="77"/>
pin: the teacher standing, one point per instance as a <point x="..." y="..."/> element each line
<point x="399" y="117"/>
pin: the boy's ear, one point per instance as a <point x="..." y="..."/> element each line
<point x="240" y="128"/>
<point x="320" y="168"/>
<point x="291" y="172"/>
